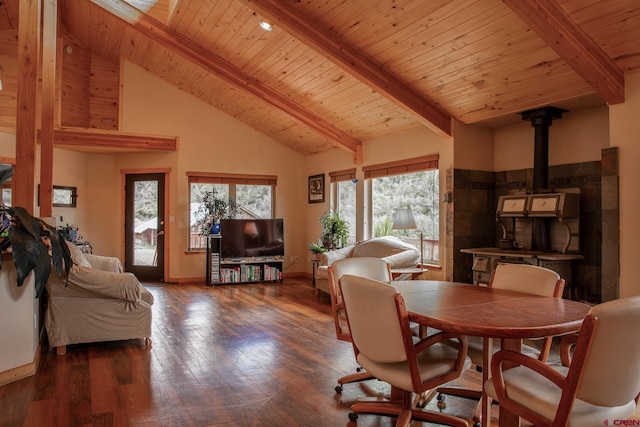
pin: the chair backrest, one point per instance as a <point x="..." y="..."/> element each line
<point x="371" y="268"/>
<point x="610" y="354"/>
<point x="530" y="279"/>
<point x="374" y="320"/>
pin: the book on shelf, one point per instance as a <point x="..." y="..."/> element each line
<point x="272" y="273"/>
<point x="215" y="267"/>
<point x="244" y="272"/>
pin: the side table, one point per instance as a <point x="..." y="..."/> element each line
<point x="314" y="267"/>
<point x="412" y="272"/>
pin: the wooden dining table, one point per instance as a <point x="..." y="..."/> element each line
<point x="490" y="313"/>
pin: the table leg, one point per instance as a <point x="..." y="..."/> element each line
<point x="487" y="351"/>
<point x="314" y="266"/>
<point x="506" y="418"/>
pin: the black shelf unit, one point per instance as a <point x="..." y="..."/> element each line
<point x="239" y="270"/>
<point x="213" y="259"/>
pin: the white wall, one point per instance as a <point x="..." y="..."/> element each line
<point x="7" y="145"/>
<point x="70" y="169"/>
<point x="473" y="148"/>
<point x="575" y="138"/>
<point x="18" y="317"/>
<point x="415" y="143"/>
<point x="625" y="134"/>
<point x="210" y="141"/>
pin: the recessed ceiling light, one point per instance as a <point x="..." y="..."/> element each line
<point x="265" y="26"/>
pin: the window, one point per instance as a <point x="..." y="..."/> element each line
<point x="412" y="183"/>
<point x="343" y="197"/>
<point x="64" y="196"/>
<point x="254" y="195"/>
<point x="6" y="196"/>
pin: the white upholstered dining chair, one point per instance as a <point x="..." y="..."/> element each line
<point x="524" y="278"/>
<point x="600" y="385"/>
<point x="386" y="348"/>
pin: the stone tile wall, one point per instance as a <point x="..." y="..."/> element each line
<point x="471" y="222"/>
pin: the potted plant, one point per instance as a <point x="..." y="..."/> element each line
<point x="34" y="244"/>
<point x="69" y="232"/>
<point x="317" y="249"/>
<point x="212" y="209"/>
<point x="335" y="230"/>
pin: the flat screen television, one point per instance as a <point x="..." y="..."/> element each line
<point x="243" y="238"/>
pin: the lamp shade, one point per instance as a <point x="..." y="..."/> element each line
<point x="403" y="219"/>
<point x="251" y="229"/>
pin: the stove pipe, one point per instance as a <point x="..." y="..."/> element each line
<point x="541" y="119"/>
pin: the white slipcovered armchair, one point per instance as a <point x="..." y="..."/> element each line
<point x="98" y="302"/>
<point x="394" y="251"/>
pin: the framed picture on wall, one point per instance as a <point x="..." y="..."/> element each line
<point x="316" y="188"/>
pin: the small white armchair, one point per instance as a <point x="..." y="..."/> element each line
<point x="98" y="302"/>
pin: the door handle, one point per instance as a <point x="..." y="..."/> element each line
<point x="160" y="233"/>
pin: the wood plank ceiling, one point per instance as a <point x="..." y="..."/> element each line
<point x="341" y="72"/>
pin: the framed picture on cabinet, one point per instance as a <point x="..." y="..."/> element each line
<point x="316" y="188"/>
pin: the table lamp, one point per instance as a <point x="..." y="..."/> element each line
<point x="403" y="219"/>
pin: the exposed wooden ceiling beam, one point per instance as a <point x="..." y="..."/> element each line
<point x="195" y="53"/>
<point x="355" y="63"/>
<point x="573" y="44"/>
<point x="112" y="142"/>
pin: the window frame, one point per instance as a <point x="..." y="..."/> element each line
<point x="232" y="180"/>
<point x="72" y="196"/>
<point x="335" y="178"/>
<point x="401" y="167"/>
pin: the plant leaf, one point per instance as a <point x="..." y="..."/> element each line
<point x="5" y="174"/>
<point x="30" y="254"/>
<point x="24" y="219"/>
<point x="60" y="253"/>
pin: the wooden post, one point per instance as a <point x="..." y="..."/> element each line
<point x="28" y="52"/>
<point x="49" y="23"/>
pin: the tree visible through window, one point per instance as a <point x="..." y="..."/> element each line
<point x="254" y="201"/>
<point x="346" y="206"/>
<point x="420" y="192"/>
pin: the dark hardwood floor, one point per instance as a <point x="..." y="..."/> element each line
<point x="232" y="355"/>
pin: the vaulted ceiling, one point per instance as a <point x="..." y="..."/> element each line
<point x="341" y="72"/>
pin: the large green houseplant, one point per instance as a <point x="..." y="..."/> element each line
<point x="335" y="230"/>
<point x="212" y="209"/>
<point x="25" y="237"/>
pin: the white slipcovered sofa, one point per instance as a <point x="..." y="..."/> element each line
<point x="98" y="303"/>
<point x="391" y="249"/>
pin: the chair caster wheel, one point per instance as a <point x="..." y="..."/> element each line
<point x="338" y="389"/>
<point x="353" y="416"/>
<point x="441" y="403"/>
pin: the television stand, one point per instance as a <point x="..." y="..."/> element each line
<point x="251" y="270"/>
<point x="256" y="269"/>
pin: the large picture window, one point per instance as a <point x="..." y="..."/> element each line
<point x="343" y="198"/>
<point x="254" y="195"/>
<point x="414" y="184"/>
